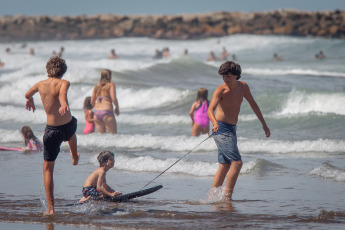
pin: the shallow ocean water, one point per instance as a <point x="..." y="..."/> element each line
<point x="293" y="180"/>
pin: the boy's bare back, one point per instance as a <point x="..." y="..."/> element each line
<point x="53" y="92"/>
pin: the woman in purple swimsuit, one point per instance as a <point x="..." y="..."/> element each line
<point x="200" y="121"/>
<point x="102" y="100"/>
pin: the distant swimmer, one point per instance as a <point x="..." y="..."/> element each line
<point x="8" y="50"/>
<point x="276" y="58"/>
<point x="113" y="55"/>
<point x="1" y="63"/>
<point x="185" y="52"/>
<point x="224" y="55"/>
<point x="212" y="57"/>
<point x="62" y="49"/>
<point x="54" y="54"/>
<point x="320" y="55"/>
<point x="166" y="52"/>
<point x="158" y="54"/>
<point x="32" y="51"/>
<point x="233" y="57"/>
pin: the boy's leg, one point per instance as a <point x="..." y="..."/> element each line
<point x="73" y="149"/>
<point x="220" y="175"/>
<point x="48" y="170"/>
<point x="231" y="179"/>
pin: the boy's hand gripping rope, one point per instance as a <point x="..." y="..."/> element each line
<point x="176" y="162"/>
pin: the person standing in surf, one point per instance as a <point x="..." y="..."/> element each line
<point x="61" y="125"/>
<point x="227" y="99"/>
<point x="200" y="121"/>
<point x="102" y="100"/>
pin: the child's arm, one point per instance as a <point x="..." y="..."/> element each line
<point x="93" y="98"/>
<point x="102" y="186"/>
<point x="107" y="187"/>
<point x="256" y="109"/>
<point x="114" y="99"/>
<point x="63" y="97"/>
<point x="191" y="113"/>
<point x="89" y="116"/>
<point x="213" y="105"/>
<point x="29" y="96"/>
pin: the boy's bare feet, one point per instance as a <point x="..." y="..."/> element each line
<point x="84" y="199"/>
<point x="75" y="158"/>
<point x="48" y="212"/>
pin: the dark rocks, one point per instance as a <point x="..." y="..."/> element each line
<point x="188" y="26"/>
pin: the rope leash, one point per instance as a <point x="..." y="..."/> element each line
<point x="177" y="161"/>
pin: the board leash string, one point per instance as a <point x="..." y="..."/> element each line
<point x="177" y="161"/>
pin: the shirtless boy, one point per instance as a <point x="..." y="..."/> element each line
<point x="95" y="186"/>
<point x="227" y="99"/>
<point x="61" y="125"/>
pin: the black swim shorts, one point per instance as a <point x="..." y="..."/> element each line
<point x="54" y="136"/>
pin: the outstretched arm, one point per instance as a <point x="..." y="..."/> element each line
<point x="213" y="105"/>
<point x="29" y="96"/>
<point x="191" y="113"/>
<point x="256" y="110"/>
<point x="104" y="188"/>
<point x="63" y="98"/>
<point x="114" y="98"/>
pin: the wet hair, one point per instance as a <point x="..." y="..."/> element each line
<point x="28" y="134"/>
<point x="87" y="103"/>
<point x="103" y="157"/>
<point x="230" y="67"/>
<point x="202" y="94"/>
<point x="102" y="84"/>
<point x="56" y="67"/>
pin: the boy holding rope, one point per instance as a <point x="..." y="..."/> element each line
<point x="227" y="99"/>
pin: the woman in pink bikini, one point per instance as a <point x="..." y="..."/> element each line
<point x="200" y="121"/>
<point x="102" y="100"/>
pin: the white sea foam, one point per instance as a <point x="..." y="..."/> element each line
<point x="307" y="72"/>
<point x="299" y="102"/>
<point x="150" y="164"/>
<point x="328" y="171"/>
<point x="182" y="144"/>
<point x="11" y="136"/>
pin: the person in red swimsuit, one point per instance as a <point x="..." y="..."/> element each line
<point x="89" y="117"/>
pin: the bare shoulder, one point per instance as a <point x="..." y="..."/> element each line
<point x="243" y="83"/>
<point x="65" y="82"/>
<point x="220" y="89"/>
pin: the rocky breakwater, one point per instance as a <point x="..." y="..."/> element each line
<point x="329" y="24"/>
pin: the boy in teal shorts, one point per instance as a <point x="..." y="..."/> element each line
<point x="227" y="99"/>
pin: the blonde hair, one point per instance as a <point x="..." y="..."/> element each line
<point x="103" y="85"/>
<point x="202" y="95"/>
